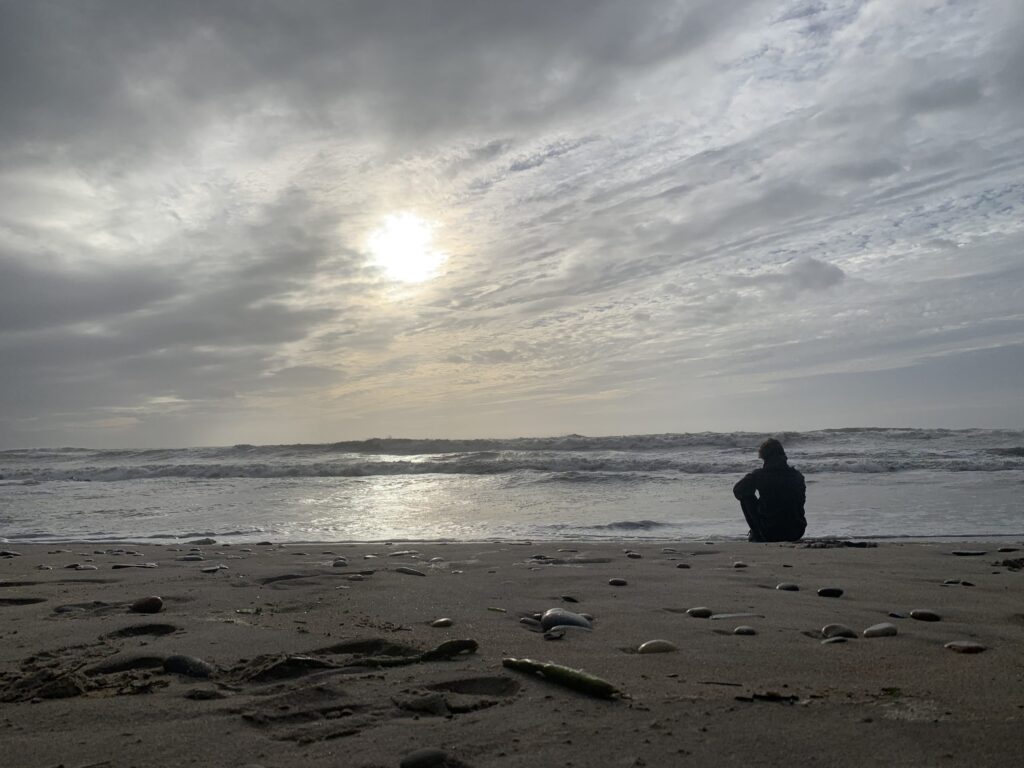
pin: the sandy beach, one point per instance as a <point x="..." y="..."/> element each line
<point x="327" y="654"/>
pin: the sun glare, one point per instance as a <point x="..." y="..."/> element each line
<point x="403" y="247"/>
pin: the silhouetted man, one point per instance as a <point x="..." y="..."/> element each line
<point x="772" y="498"/>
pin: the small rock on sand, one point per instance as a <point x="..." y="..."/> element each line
<point x="787" y="586"/>
<point x="830" y="592"/>
<point x="657" y="646"/>
<point x="9" y="553"/>
<point x="830" y="631"/>
<point x="922" y="614"/>
<point x="617" y="582"/>
<point x="1008" y="549"/>
<point x="682" y="565"/>
<point x="203" y="542"/>
<point x="409" y="571"/>
<point x="190" y="558"/>
<point x="441" y="622"/>
<point x="966" y="646"/>
<point x="559" y="617"/>
<point x="885" y="629"/>
<point x="969" y="552"/>
<point x="744" y="630"/>
<point x="700" y="612"/>
<point x="86" y="568"/>
<point x="151" y="604"/>
<point x="833" y="640"/>
<point x="739" y="564"/>
<point x="340" y="563"/>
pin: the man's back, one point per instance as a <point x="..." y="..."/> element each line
<point x="778" y="512"/>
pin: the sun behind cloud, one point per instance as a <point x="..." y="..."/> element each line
<point x="403" y="246"/>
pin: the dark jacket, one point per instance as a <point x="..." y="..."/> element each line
<point x="776" y="510"/>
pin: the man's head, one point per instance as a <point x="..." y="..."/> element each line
<point x="771" y="448"/>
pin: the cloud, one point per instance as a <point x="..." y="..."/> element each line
<point x="189" y="187"/>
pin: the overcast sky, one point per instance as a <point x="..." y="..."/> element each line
<point x="656" y="217"/>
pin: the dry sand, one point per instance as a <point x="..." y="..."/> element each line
<point x="313" y="668"/>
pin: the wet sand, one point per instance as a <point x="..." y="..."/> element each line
<point x="315" y="664"/>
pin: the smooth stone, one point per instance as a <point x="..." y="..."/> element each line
<point x="190" y="558"/>
<point x="969" y="552"/>
<point x="11" y="553"/>
<point x="700" y="612"/>
<point x="437" y="560"/>
<point x="830" y="592"/>
<point x="682" y="565"/>
<point x="744" y="630"/>
<point x="409" y="571"/>
<point x="898" y="615"/>
<point x="922" y="614"/>
<point x="86" y="568"/>
<point x="441" y="623"/>
<point x="617" y="582"/>
<point x="213" y="568"/>
<point x="669" y="551"/>
<point x="739" y="564"/>
<point x="403" y="553"/>
<point x="559" y="617"/>
<point x="834" y="640"/>
<point x="885" y="629"/>
<point x="189" y="666"/>
<point x="787" y="586"/>
<point x="966" y="646"/>
<point x="657" y="646"/>
<point x="568" y="598"/>
<point x="743" y="615"/>
<point x="357" y="577"/>
<point x="634" y="555"/>
<point x="1008" y="549"/>
<point x="205" y="542"/>
<point x="837" y="630"/>
<point x="340" y="563"/>
<point x="44" y="567"/>
<point x="151" y="604"/>
<point x="425" y="758"/>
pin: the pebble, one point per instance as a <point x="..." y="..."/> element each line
<point x="558" y="617"/>
<point x="357" y="577"/>
<point x="425" y="758"/>
<point x="403" y="553"/>
<point x="369" y="557"/>
<point x="682" y="565"/>
<point x="409" y="571"/>
<point x="788" y="586"/>
<point x="86" y="568"/>
<point x="437" y="560"/>
<point x="966" y="646"/>
<point x="189" y="666"/>
<point x="830" y="592"/>
<point x="922" y="614"/>
<point x="898" y="615"/>
<point x="830" y="631"/>
<point x="568" y="598"/>
<point x="205" y="542"/>
<point x="744" y="630"/>
<point x="151" y="604"/>
<point x="190" y="558"/>
<point x="9" y="553"/>
<point x="44" y="567"/>
<point x="743" y="615"/>
<point x="833" y="640"/>
<point x="634" y="555"/>
<point x="441" y="623"/>
<point x="214" y="568"/>
<point x="885" y="629"/>
<point x="617" y="582"/>
<point x="245" y="549"/>
<point x="657" y="646"/>
<point x="700" y="612"/>
<point x="340" y="563"/>
<point x="1008" y="549"/>
<point x="969" y="552"/>
<point x="739" y="564"/>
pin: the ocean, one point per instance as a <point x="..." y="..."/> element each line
<point x="863" y="483"/>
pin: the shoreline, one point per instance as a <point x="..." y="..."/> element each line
<point x="316" y="664"/>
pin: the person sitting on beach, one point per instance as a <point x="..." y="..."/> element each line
<point x="772" y="498"/>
